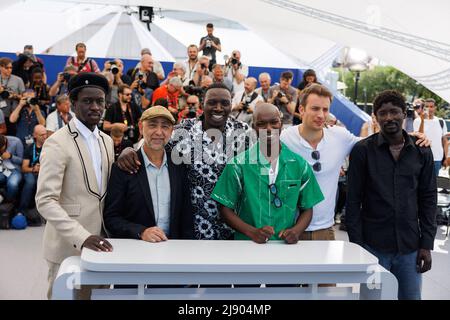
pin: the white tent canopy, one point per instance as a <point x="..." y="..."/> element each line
<point x="309" y="33"/>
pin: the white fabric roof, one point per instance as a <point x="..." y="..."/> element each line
<point x="411" y="35"/>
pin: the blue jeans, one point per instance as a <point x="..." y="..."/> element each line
<point x="12" y="184"/>
<point x="437" y="167"/>
<point x="403" y="267"/>
<point x="28" y="191"/>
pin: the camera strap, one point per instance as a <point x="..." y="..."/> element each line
<point x="253" y="96"/>
<point x="5" y="86"/>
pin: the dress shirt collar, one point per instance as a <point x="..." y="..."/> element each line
<point x="147" y="161"/>
<point x="382" y="140"/>
<point x="85" y="131"/>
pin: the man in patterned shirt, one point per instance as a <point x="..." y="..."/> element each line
<point x="204" y="145"/>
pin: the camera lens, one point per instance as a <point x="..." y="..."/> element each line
<point x="114" y="70"/>
<point x="32" y="101"/>
<point x="4" y="94"/>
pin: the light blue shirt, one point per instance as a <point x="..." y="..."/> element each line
<point x="159" y="183"/>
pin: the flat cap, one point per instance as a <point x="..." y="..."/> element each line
<point x="87" y="79"/>
<point x="157" y="111"/>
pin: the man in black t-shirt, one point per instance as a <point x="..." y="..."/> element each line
<point x="210" y="44"/>
<point x="31" y="166"/>
<point x="125" y="112"/>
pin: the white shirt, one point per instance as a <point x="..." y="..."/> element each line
<point x="243" y="69"/>
<point x="92" y="140"/>
<point x="434" y="132"/>
<point x="51" y="123"/>
<point x="335" y="146"/>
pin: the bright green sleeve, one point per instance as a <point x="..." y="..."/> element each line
<point x="310" y="193"/>
<point x="229" y="186"/>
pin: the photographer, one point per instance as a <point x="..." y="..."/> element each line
<point x="244" y="102"/>
<point x="114" y="69"/>
<point x="235" y="71"/>
<point x="125" y="113"/>
<point x="192" y="109"/>
<point x="264" y="81"/>
<point x="201" y="70"/>
<point x="170" y="92"/>
<point x="40" y="88"/>
<point x="61" y="116"/>
<point x="27" y="115"/>
<point x="11" y="89"/>
<point x="284" y="96"/>
<point x="60" y="85"/>
<point x="210" y="44"/>
<point x="191" y="63"/>
<point x="81" y="62"/>
<point x="178" y="70"/>
<point x="145" y="81"/>
<point x="219" y="77"/>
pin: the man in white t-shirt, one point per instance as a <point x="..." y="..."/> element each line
<point x="325" y="149"/>
<point x="435" y="129"/>
<point x="60" y="117"/>
<point x="244" y="102"/>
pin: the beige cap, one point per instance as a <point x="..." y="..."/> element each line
<point x="157" y="111"/>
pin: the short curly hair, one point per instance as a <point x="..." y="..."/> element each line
<point x="386" y="96"/>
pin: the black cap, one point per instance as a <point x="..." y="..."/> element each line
<point x="87" y="79"/>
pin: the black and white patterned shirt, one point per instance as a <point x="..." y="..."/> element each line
<point x="206" y="158"/>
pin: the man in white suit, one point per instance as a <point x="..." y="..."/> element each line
<point x="75" y="165"/>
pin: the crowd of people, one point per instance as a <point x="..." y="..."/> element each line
<point x="204" y="153"/>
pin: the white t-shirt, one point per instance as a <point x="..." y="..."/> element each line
<point x="52" y="124"/>
<point x="237" y="87"/>
<point x="434" y="132"/>
<point x="335" y="146"/>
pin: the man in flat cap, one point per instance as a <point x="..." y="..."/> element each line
<point x="75" y="165"/>
<point x="153" y="205"/>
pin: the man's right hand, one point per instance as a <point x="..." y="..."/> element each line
<point x="6" y="155"/>
<point x="262" y="235"/>
<point x="128" y="161"/>
<point x="153" y="234"/>
<point x="97" y="243"/>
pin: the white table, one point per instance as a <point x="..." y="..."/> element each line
<point x="183" y="262"/>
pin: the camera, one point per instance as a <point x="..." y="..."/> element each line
<point x="193" y="90"/>
<point x="32" y="101"/>
<point x="141" y="82"/>
<point x="208" y="43"/>
<point x="281" y="95"/>
<point x="192" y="113"/>
<point x="66" y="76"/>
<point x="409" y="110"/>
<point x="246" y="103"/>
<point x="130" y="132"/>
<point x="5" y="94"/>
<point x="234" y="60"/>
<point x="114" y="70"/>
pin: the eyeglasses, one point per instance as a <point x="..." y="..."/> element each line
<point x="276" y="200"/>
<point x="316" y="156"/>
<point x="126" y="94"/>
<point x="191" y="104"/>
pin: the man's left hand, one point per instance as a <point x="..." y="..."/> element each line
<point x="423" y="260"/>
<point x="290" y="236"/>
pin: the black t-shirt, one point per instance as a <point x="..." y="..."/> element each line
<point x="114" y="114"/>
<point x="32" y="153"/>
<point x="210" y="50"/>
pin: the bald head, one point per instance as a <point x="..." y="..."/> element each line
<point x="146" y="62"/>
<point x="265" y="110"/>
<point x="39" y="134"/>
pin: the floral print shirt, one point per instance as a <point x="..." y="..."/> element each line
<point x="205" y="155"/>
